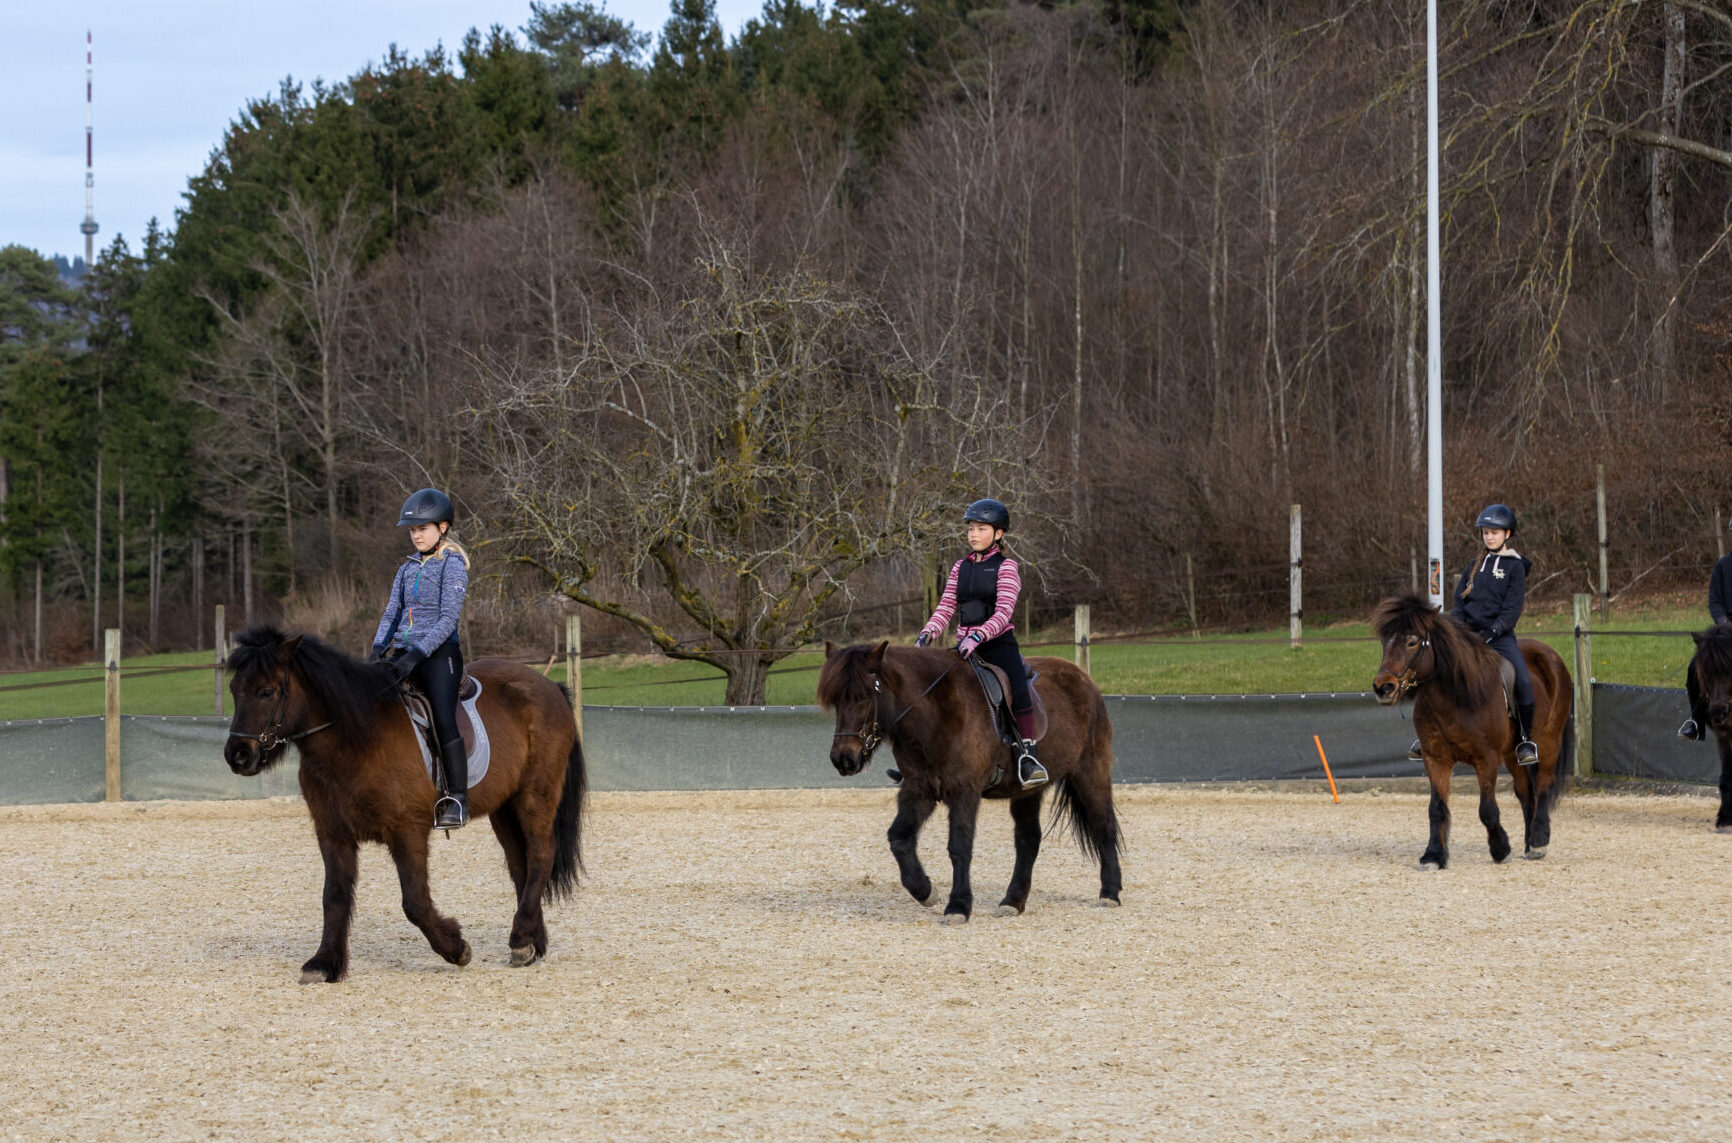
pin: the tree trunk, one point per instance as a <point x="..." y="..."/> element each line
<point x="96" y="564"/>
<point x="247" y="569"/>
<point x="196" y="558"/>
<point x="1662" y="202"/>
<point x="120" y="564"/>
<point x="38" y="640"/>
<point x="748" y="680"/>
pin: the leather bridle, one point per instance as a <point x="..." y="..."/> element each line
<point x="1408" y="679"/>
<point x="871" y="737"/>
<point x="272" y="735"/>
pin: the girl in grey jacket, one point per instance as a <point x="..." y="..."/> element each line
<point x="418" y="636"/>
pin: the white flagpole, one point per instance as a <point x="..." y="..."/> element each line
<point x="1433" y="325"/>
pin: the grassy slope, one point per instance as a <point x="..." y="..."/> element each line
<point x="1220" y="665"/>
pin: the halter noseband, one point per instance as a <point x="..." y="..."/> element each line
<point x="272" y="735"/>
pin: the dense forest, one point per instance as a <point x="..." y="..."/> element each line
<point x="714" y="336"/>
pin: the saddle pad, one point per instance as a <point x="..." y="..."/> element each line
<point x="997" y="688"/>
<point x="1506" y="672"/>
<point x="469" y="726"/>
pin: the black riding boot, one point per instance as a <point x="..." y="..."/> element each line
<point x="1029" y="772"/>
<point x="1526" y="752"/>
<point x="452" y="810"/>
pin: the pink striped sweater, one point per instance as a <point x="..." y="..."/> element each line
<point x="1009" y="587"/>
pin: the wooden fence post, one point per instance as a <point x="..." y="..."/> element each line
<point x="574" y="667"/>
<point x="111" y="715"/>
<point x="1600" y="502"/>
<point x="1191" y="594"/>
<point x="1584" y="685"/>
<point x="1082" y="638"/>
<point x="221" y="632"/>
<point x="1295" y="570"/>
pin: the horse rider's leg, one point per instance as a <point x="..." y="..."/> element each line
<point x="1527" y="751"/>
<point x="331" y="962"/>
<point x="1025" y="817"/>
<point x="912" y="810"/>
<point x="1695" y="727"/>
<point x="409" y="850"/>
<point x="1436" y="854"/>
<point x="1496" y="835"/>
<point x="964" y="807"/>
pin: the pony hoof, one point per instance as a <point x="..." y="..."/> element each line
<point x="956" y="918"/>
<point x="463" y="957"/>
<point x="1429" y="867"/>
<point x="1009" y="911"/>
<point x="928" y="901"/>
<point x="1538" y="853"/>
<point x="1727" y="828"/>
<point x="1108" y="902"/>
<point x="312" y="976"/>
<point x="521" y="957"/>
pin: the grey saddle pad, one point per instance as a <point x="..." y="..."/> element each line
<point x="469" y="725"/>
<point x="1506" y="672"/>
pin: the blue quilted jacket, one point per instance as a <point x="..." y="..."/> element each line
<point x="426" y="601"/>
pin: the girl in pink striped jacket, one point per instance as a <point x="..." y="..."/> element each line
<point x="980" y="596"/>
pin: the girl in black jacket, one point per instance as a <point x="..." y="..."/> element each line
<point x="1489" y="600"/>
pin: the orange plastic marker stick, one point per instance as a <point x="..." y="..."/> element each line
<point x="1332" y="791"/>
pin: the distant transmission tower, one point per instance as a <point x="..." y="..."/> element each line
<point x="88" y="227"/>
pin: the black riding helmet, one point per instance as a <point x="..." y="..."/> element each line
<point x="428" y="506"/>
<point x="990" y="512"/>
<point x="1497" y="516"/>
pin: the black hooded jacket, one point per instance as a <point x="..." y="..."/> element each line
<point x="1492" y="590"/>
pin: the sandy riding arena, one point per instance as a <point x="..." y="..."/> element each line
<point x="744" y="966"/>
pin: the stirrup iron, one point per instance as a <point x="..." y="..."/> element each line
<point x="1029" y="772"/>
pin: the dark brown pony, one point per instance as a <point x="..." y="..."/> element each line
<point x="1459" y="715"/>
<point x="927" y="705"/>
<point x="1713" y="667"/>
<point x="363" y="779"/>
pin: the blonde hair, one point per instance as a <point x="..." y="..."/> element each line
<point x="447" y="545"/>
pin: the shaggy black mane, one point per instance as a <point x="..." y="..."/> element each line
<point x="844" y="675"/>
<point x="1714" y="651"/>
<point x="348" y="690"/>
<point x="1463" y="666"/>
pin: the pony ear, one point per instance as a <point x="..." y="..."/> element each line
<point x="829" y="649"/>
<point x="876" y="658"/>
<point x="287" y="649"/>
<point x="1698" y="636"/>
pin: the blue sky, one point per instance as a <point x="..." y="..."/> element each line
<point x="170" y="76"/>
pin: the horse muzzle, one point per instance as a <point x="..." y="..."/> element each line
<point x="848" y="762"/>
<point x="243" y="756"/>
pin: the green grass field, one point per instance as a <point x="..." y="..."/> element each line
<point x="1338" y="656"/>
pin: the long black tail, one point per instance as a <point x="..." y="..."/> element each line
<point x="568" y="827"/>
<point x="1094" y="825"/>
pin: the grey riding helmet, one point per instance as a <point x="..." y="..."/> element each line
<point x="990" y="512"/>
<point x="428" y="506"/>
<point x="1497" y="516"/>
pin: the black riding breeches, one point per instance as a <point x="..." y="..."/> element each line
<point x="1505" y="645"/>
<point x="1003" y="653"/>
<point x="1693" y="691"/>
<point x="439" y="676"/>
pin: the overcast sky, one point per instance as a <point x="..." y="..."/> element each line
<point x="172" y="74"/>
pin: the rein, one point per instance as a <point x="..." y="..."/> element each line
<point x="873" y="735"/>
<point x="272" y="735"/>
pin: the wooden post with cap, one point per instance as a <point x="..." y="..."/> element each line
<point x="1583" y="680"/>
<point x="574" y="667"/>
<point x="1082" y="638"/>
<point x="111" y="715"/>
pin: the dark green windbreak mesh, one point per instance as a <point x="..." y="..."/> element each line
<point x="1160" y="738"/>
